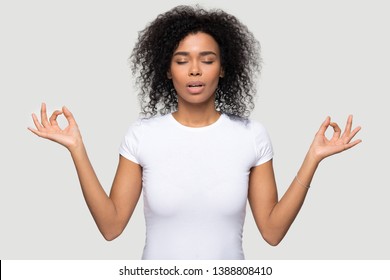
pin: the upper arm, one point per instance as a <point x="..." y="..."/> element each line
<point x="126" y="189"/>
<point x="262" y="193"/>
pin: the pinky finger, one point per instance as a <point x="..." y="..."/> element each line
<point x="36" y="132"/>
<point x="36" y="122"/>
<point x="355" y="131"/>
<point x="352" y="144"/>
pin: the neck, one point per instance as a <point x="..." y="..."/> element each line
<point x="196" y="115"/>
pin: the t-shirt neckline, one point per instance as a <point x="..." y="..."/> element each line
<point x="201" y="128"/>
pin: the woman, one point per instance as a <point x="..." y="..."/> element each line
<point x="195" y="154"/>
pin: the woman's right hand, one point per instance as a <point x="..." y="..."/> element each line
<point x="69" y="137"/>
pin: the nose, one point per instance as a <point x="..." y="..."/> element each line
<point x="195" y="70"/>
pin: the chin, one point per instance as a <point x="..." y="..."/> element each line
<point x="198" y="100"/>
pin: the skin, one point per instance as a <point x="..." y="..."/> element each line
<point x="197" y="58"/>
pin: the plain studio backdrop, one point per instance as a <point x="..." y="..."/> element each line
<point x="320" y="58"/>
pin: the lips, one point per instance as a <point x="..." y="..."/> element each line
<point x="195" y="84"/>
<point x="195" y="87"/>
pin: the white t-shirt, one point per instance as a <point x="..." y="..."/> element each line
<point x="195" y="184"/>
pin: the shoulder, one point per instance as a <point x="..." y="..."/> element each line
<point x="145" y="124"/>
<point x="138" y="131"/>
<point x="251" y="128"/>
<point x="255" y="136"/>
<point x="249" y="125"/>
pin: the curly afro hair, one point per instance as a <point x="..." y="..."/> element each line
<point x="152" y="54"/>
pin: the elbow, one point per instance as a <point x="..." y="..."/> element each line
<point x="112" y="230"/>
<point x="272" y="239"/>
<point x="110" y="235"/>
<point x="273" y="242"/>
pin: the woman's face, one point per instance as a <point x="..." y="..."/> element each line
<point x="196" y="68"/>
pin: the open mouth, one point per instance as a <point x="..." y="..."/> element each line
<point x="195" y="86"/>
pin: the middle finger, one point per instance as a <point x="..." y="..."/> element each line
<point x="348" y="125"/>
<point x="44" y="120"/>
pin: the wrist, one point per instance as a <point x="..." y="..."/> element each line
<point x="313" y="156"/>
<point x="312" y="159"/>
<point x="76" y="148"/>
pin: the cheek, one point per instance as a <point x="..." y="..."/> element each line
<point x="177" y="75"/>
<point x="217" y="76"/>
<point x="217" y="73"/>
<point x="178" y="81"/>
<point x="178" y="84"/>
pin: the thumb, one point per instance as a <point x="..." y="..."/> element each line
<point x="68" y="115"/>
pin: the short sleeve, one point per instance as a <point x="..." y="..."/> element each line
<point x="263" y="145"/>
<point x="129" y="148"/>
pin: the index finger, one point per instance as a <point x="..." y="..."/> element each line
<point x="53" y="118"/>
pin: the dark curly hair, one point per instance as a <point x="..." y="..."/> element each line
<point x="152" y="54"/>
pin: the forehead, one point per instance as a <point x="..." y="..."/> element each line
<point x="198" y="42"/>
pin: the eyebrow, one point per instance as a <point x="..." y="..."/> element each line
<point x="201" y="53"/>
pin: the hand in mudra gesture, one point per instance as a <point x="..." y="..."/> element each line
<point x="323" y="147"/>
<point x="69" y="137"/>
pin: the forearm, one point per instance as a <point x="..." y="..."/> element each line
<point x="100" y="205"/>
<point x="111" y="213"/>
<point x="274" y="217"/>
<point x="285" y="211"/>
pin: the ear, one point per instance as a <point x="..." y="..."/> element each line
<point x="222" y="73"/>
<point x="169" y="75"/>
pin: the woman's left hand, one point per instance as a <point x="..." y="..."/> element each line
<point x="323" y="147"/>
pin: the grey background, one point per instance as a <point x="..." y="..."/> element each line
<point x="320" y="58"/>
